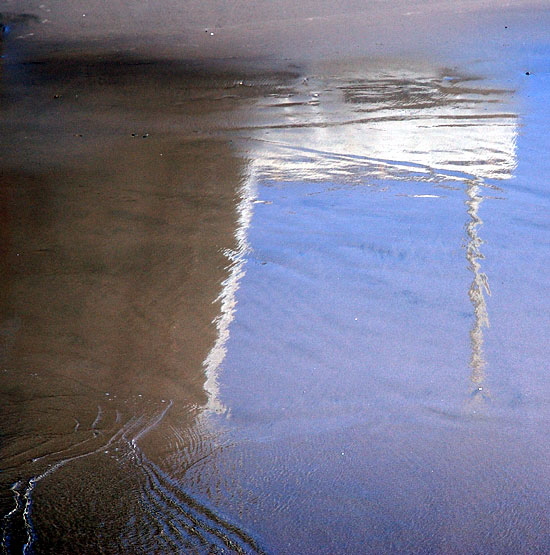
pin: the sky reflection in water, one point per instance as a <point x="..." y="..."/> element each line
<point x="356" y="377"/>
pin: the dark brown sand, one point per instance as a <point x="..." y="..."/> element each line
<point x="119" y="192"/>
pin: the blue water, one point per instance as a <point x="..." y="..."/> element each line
<point x="386" y="368"/>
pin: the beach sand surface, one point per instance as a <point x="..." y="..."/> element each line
<point x="274" y="277"/>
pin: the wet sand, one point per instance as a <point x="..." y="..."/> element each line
<point x="120" y="203"/>
<point x="285" y="294"/>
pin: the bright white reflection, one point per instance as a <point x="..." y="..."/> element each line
<point x="477" y="291"/>
<point x="227" y="299"/>
<point x="381" y="123"/>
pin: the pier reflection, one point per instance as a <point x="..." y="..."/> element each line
<point x="410" y="131"/>
<point x="362" y="120"/>
<point x="478" y="288"/>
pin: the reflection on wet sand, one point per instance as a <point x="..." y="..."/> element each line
<point x="128" y="204"/>
<point x="359" y="331"/>
<point x="360" y="121"/>
<point x="478" y="289"/>
<point x="227" y="297"/>
<point x="372" y="126"/>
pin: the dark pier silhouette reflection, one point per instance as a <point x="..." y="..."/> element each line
<point x="121" y="203"/>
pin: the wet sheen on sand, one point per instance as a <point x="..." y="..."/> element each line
<point x="295" y="310"/>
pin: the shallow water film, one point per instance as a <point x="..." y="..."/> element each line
<point x="292" y="307"/>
